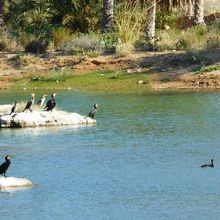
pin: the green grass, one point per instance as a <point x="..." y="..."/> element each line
<point x="207" y="69"/>
<point x="99" y="80"/>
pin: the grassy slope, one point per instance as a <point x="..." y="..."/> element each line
<point x="102" y="80"/>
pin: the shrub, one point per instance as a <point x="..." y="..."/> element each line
<point x="194" y="38"/>
<point x="35" y="47"/>
<point x="124" y="49"/>
<point x="129" y="22"/>
<point x="83" y="44"/>
<point x="194" y="57"/>
<point x="60" y="36"/>
<point x="109" y="41"/>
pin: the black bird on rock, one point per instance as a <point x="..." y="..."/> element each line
<point x="93" y="112"/>
<point x="14" y="108"/>
<point x="51" y="103"/>
<point x="4" y="166"/>
<point x="30" y="103"/>
<point x="209" y="165"/>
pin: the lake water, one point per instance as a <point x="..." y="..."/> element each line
<point x="141" y="161"/>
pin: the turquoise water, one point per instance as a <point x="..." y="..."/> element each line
<point x="141" y="161"/>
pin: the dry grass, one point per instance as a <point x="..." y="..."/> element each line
<point x="129" y="21"/>
<point x="195" y="38"/>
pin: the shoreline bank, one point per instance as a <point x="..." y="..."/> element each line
<point x="149" y="71"/>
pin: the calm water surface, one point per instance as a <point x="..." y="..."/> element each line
<point x="141" y="161"/>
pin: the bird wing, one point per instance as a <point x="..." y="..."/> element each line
<point x="92" y="113"/>
<point x="48" y="104"/>
<point x="2" y="167"/>
<point x="12" y="109"/>
<point x="28" y="105"/>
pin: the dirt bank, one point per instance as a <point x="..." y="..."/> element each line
<point x="166" y="70"/>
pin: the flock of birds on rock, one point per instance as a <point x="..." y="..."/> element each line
<point x="51" y="103"/>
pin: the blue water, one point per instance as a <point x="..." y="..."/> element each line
<point x="141" y="161"/>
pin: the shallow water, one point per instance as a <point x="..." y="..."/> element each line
<point x="141" y="161"/>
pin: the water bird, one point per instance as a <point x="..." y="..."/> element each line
<point x="209" y="165"/>
<point x="4" y="166"/>
<point x="14" y="108"/>
<point x="93" y="112"/>
<point x="30" y="103"/>
<point x="42" y="100"/>
<point x="51" y="103"/>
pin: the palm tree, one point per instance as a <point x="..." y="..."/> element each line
<point x="150" y="23"/>
<point x="185" y="5"/>
<point x="107" y="14"/>
<point x="199" y="11"/>
<point x="2" y="23"/>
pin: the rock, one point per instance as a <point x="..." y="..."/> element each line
<point x="5" y="109"/>
<point x="35" y="47"/>
<point x="166" y="27"/>
<point x="43" y="118"/>
<point x="10" y="182"/>
<point x="140" y="82"/>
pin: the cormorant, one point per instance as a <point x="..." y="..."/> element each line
<point x="4" y="166"/>
<point x="209" y="165"/>
<point x="51" y="103"/>
<point x="30" y="103"/>
<point x="42" y="100"/>
<point x="93" y="112"/>
<point x="14" y="108"/>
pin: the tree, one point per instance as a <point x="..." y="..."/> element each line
<point x="2" y="24"/>
<point x="107" y="14"/>
<point x="150" y="23"/>
<point x="199" y="11"/>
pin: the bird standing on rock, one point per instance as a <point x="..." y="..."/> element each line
<point x="4" y="166"/>
<point x="42" y="100"/>
<point x="30" y="103"/>
<point x="93" y="112"/>
<point x="51" y="103"/>
<point x="14" y="108"/>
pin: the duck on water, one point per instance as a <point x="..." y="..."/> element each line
<point x="209" y="165"/>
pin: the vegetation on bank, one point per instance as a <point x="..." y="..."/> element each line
<point x="94" y="81"/>
<point x="75" y="27"/>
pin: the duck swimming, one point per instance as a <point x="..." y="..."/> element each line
<point x="209" y="165"/>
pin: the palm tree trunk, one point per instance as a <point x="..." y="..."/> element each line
<point x="107" y="14"/>
<point x="150" y="23"/>
<point x="199" y="11"/>
<point x="190" y="9"/>
<point x="2" y="23"/>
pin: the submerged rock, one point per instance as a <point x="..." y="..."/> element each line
<point x="43" y="118"/>
<point x="10" y="182"/>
